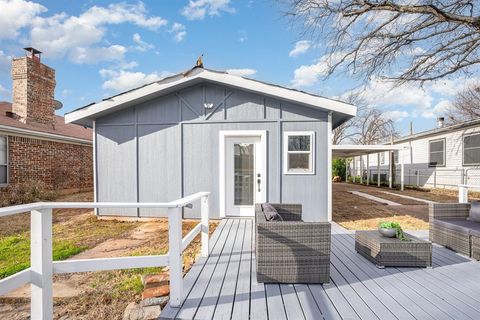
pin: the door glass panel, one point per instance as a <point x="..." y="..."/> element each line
<point x="244" y="174"/>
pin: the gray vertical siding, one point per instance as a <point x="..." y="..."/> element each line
<point x="168" y="147"/>
<point x="309" y="189"/>
<point x="116" y="162"/>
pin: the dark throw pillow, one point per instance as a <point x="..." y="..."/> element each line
<point x="474" y="214"/>
<point x="269" y="211"/>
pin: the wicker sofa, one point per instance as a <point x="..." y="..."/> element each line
<point x="450" y="227"/>
<point x="291" y="251"/>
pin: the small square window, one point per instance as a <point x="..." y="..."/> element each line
<point x="298" y="153"/>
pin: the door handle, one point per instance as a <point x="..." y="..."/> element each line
<point x="259" y="181"/>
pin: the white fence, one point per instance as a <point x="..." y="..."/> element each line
<point x="42" y="267"/>
<point x="463" y="192"/>
<point x="429" y="178"/>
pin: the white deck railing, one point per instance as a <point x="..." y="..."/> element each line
<point x="463" y="192"/>
<point x="42" y="267"/>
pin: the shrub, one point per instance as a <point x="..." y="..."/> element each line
<point x="338" y="167"/>
<point x="394" y="225"/>
<point x="26" y="193"/>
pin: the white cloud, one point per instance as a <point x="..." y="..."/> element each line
<point x="440" y="109"/>
<point x="308" y="75"/>
<point x="242" y="36"/>
<point x="179" y="31"/>
<point x="396" y="115"/>
<point x="198" y="9"/>
<point x="121" y="80"/>
<point x="387" y="93"/>
<point x="242" y="72"/>
<point x="94" y="54"/>
<point x="140" y="44"/>
<point x="301" y="47"/>
<point x="15" y="15"/>
<point x="61" y="35"/>
<point x="5" y="62"/>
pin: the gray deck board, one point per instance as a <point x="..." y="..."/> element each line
<point x="212" y="292"/>
<point x="224" y="286"/>
<point x="293" y="309"/>
<point x="241" y="307"/>
<point x="307" y="301"/>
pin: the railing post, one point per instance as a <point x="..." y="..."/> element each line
<point x="205" y="221"/>
<point x="175" y="256"/>
<point x="462" y="194"/>
<point x="418" y="178"/>
<point x="41" y="264"/>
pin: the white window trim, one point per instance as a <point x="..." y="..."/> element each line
<point x="444" y="152"/>
<point x="223" y="134"/>
<point x="463" y="150"/>
<point x="312" y="151"/>
<point x="6" y="165"/>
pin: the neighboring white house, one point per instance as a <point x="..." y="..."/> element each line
<point x="443" y="157"/>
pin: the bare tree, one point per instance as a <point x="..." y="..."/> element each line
<point x="403" y="40"/>
<point x="466" y="105"/>
<point x="370" y="126"/>
<point x="373" y="127"/>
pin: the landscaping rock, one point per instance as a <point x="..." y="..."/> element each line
<point x="154" y="280"/>
<point x="137" y="312"/>
<point x="151" y="312"/>
<point x="160" y="301"/>
<point x="159" y="291"/>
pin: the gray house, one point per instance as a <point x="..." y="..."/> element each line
<point x="243" y="140"/>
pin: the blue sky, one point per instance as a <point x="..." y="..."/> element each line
<point x="100" y="48"/>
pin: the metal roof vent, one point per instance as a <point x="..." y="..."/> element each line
<point x="440" y="122"/>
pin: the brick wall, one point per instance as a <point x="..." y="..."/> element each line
<point x="33" y="90"/>
<point x="60" y="166"/>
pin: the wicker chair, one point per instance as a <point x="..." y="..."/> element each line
<point x="291" y="251"/>
<point x="449" y="226"/>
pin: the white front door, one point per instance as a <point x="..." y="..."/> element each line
<point x="244" y="174"/>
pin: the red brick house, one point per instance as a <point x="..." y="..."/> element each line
<point x="35" y="144"/>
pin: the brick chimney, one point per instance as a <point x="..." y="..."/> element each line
<point x="33" y="89"/>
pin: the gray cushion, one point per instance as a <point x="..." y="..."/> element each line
<point x="269" y="211"/>
<point x="474" y="214"/>
<point x="459" y="225"/>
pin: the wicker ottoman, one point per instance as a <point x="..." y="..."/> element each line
<point x="392" y="252"/>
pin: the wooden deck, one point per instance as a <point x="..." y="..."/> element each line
<point x="223" y="286"/>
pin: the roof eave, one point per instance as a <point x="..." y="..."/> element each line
<point x="86" y="115"/>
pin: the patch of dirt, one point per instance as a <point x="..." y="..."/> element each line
<point x="357" y="213"/>
<point x="17" y="223"/>
<point x="397" y="199"/>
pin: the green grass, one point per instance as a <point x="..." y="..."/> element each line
<point x="15" y="252"/>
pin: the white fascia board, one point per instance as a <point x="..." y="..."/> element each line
<point x="104" y="105"/>
<point x="222" y="78"/>
<point x="367" y="147"/>
<point x="280" y="92"/>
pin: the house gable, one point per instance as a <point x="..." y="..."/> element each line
<point x="340" y="111"/>
<point x="223" y="103"/>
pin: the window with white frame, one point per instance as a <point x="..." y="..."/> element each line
<point x="436" y="151"/>
<point x="382" y="158"/>
<point x="3" y="160"/>
<point x="471" y="149"/>
<point x="298" y="154"/>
